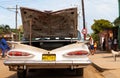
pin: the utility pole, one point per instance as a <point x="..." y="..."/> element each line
<point x="83" y="14"/>
<point x="30" y="31"/>
<point x="16" y="15"/>
<point x="16" y="12"/>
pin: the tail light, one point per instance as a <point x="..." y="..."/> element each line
<point x="18" y="53"/>
<point x="80" y="52"/>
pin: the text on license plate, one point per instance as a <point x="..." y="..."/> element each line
<point x="48" y="57"/>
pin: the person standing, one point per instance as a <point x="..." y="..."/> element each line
<point x="95" y="46"/>
<point x="91" y="41"/>
<point x="4" y="46"/>
<point x="104" y="45"/>
<point x="115" y="44"/>
<point x="109" y="43"/>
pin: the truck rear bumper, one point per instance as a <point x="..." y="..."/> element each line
<point x="32" y="64"/>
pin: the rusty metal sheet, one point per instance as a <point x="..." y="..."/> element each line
<point x="62" y="23"/>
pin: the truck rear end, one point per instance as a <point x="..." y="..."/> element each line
<point x="51" y="40"/>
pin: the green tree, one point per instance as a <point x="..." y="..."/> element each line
<point x="21" y="28"/>
<point x="95" y="36"/>
<point x="117" y="21"/>
<point x="4" y="29"/>
<point x="99" y="26"/>
<point x="1" y="29"/>
<point x="7" y="29"/>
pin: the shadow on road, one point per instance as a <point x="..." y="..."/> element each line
<point x="59" y="73"/>
<point x="107" y="56"/>
<point x="13" y="76"/>
<point x="52" y="74"/>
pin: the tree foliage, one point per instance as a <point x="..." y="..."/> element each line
<point x="100" y="25"/>
<point x="117" y="21"/>
<point x="21" y="28"/>
<point x="4" y="29"/>
<point x="95" y="36"/>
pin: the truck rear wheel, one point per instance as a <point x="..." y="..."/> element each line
<point x="79" y="72"/>
<point x="21" y="73"/>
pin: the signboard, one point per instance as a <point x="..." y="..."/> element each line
<point x="84" y="31"/>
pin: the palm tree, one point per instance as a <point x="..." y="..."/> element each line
<point x="5" y="29"/>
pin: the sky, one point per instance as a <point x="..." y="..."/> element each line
<point x="94" y="9"/>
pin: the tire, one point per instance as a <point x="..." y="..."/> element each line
<point x="79" y="72"/>
<point x="21" y="73"/>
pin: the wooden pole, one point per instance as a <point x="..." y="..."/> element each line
<point x="30" y="32"/>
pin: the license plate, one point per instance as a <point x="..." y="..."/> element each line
<point x="48" y="57"/>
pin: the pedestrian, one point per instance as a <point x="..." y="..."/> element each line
<point x="4" y="46"/>
<point x="101" y="42"/>
<point x="95" y="46"/>
<point x="104" y="45"/>
<point x="91" y="41"/>
<point x="115" y="44"/>
<point x="109" y="43"/>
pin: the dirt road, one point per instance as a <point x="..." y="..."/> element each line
<point x="4" y="71"/>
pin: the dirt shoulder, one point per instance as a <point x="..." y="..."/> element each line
<point x="105" y="62"/>
<point x="4" y="71"/>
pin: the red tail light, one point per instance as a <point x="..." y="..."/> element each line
<point x="18" y="53"/>
<point x="81" y="52"/>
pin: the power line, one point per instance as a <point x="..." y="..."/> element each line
<point x="2" y="7"/>
<point x="6" y="9"/>
<point x="4" y="1"/>
<point x="16" y="12"/>
<point x="9" y="1"/>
